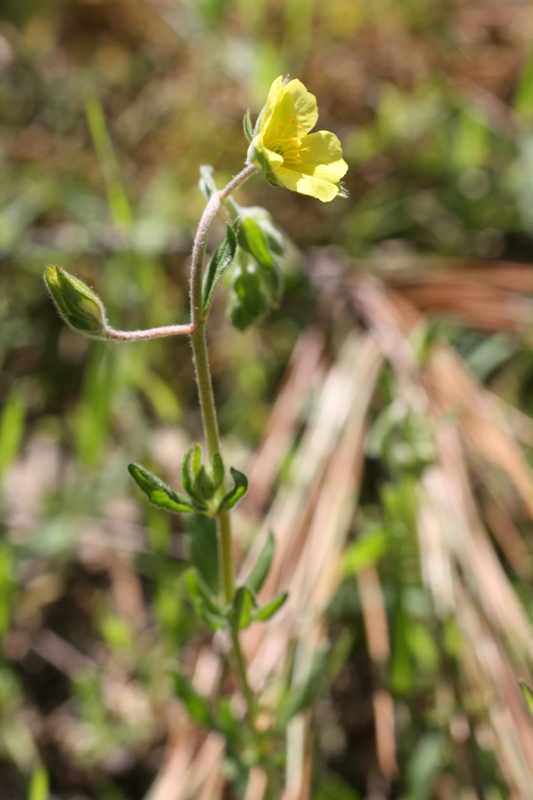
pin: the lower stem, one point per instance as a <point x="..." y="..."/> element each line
<point x="243" y="676"/>
<point x="210" y="423"/>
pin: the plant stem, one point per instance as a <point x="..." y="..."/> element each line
<point x="241" y="669"/>
<point x="203" y="372"/>
<point x="150" y="333"/>
<point x="210" y="421"/>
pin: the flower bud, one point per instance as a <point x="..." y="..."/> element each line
<point x="77" y="304"/>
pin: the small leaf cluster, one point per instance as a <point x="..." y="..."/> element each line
<point x="255" y="282"/>
<point x="202" y="485"/>
<point x="244" y="608"/>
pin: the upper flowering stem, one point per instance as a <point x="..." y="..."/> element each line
<point x="289" y="155"/>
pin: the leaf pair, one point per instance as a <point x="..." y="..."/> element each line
<point x="245" y="608"/>
<point x="204" y="712"/>
<point x="201" y="484"/>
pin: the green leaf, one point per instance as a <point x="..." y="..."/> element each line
<point x="218" y="470"/>
<point x="196" y="460"/>
<point x="186" y="480"/>
<point x="243" y="605"/>
<point x="204" y="484"/>
<point x="527" y="691"/>
<point x="205" y="604"/>
<point x="202" y="539"/>
<point x="247" y="299"/>
<point x="251" y="238"/>
<point x="39" y="787"/>
<point x="239" y="490"/>
<point x="220" y="261"/>
<point x="247" y="125"/>
<point x="198" y="707"/>
<point x="269" y="609"/>
<point x="261" y="568"/>
<point x="158" y="492"/>
<point x="301" y="696"/>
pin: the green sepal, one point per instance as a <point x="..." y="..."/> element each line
<point x="76" y="303"/>
<point x="234" y="495"/>
<point x="247" y="125"/>
<point x="527" y="691"/>
<point x="206" y="607"/>
<point x="261" y="567"/>
<point x="158" y="492"/>
<point x="219" y="262"/>
<point x="267" y="611"/>
<point x="198" y="707"/>
<point x="207" y="182"/>
<point x="244" y="603"/>
<point x="251" y="238"/>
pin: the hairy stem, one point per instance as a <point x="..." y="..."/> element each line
<point x="150" y="333"/>
<point x="205" y="393"/>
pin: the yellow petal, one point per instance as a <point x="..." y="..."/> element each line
<point x="270" y="104"/>
<point x="293" y="102"/>
<point x="307" y="184"/>
<point x="324" y="157"/>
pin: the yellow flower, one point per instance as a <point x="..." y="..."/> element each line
<point x="284" y="149"/>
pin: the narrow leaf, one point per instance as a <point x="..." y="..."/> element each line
<point x="260" y="571"/>
<point x="218" y="470"/>
<point x="196" y="461"/>
<point x="252" y="239"/>
<point x="239" y="490"/>
<point x="269" y="609"/>
<point x="220" y="261"/>
<point x="198" y="706"/>
<point x="204" y="603"/>
<point x="204" y="485"/>
<point x="243" y="604"/>
<point x="158" y="492"/>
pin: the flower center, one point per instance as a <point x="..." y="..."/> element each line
<point x="288" y="143"/>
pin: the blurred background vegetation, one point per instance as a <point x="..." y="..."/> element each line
<point x="107" y="110"/>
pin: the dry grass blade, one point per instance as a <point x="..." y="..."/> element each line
<point x="459" y="561"/>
